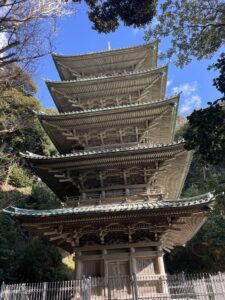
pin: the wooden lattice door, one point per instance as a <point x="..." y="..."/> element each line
<point x="119" y="279"/>
<point x="118" y="269"/>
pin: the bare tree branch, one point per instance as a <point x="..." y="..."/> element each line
<point x="24" y="34"/>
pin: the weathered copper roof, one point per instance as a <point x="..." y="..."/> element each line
<point x="142" y="147"/>
<point x="112" y="76"/>
<point x="78" y="93"/>
<point x="62" y="173"/>
<point x="44" y="115"/>
<point x="114" y="60"/>
<point x="111" y="51"/>
<point x="66" y="130"/>
<point x="108" y="208"/>
<point x="174" y="222"/>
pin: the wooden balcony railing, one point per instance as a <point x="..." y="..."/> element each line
<point x="96" y="198"/>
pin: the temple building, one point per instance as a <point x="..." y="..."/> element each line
<point x="119" y="173"/>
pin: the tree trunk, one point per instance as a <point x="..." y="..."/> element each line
<point x="9" y="171"/>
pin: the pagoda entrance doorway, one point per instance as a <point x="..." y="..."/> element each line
<point x="119" y="278"/>
<point x="118" y="269"/>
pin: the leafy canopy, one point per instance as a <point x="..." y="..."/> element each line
<point x="24" y="258"/>
<point x="106" y="14"/>
<point x="206" y="251"/>
<point x="206" y="128"/>
<point x="194" y="28"/>
<point x="20" y="129"/>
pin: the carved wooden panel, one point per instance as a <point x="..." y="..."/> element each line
<point x="102" y="102"/>
<point x="145" y="266"/>
<point x="92" y="268"/>
<point x="118" y="268"/>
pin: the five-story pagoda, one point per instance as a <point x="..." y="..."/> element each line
<point x="119" y="173"/>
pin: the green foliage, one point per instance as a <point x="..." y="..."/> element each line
<point x="194" y="28"/>
<point x="202" y="179"/>
<point x="11" y="240"/>
<point x="22" y="129"/>
<point x="219" y="82"/>
<point x="5" y="160"/>
<point x="42" y="198"/>
<point x="181" y="123"/>
<point x="13" y="197"/>
<point x="206" y="133"/>
<point x="40" y="261"/>
<point x="24" y="258"/>
<point x="20" y="79"/>
<point x="206" y="127"/>
<point x="106" y="15"/>
<point x="19" y="177"/>
<point x="206" y="251"/>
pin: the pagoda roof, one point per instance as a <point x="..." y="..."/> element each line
<point x="139" y="148"/>
<point x="173" y="222"/>
<point x="63" y="172"/>
<point x="114" y="208"/>
<point x="66" y="93"/>
<point x="114" y="60"/>
<point x="60" y="126"/>
<point x="107" y="110"/>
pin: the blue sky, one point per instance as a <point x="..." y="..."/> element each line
<point x="75" y="36"/>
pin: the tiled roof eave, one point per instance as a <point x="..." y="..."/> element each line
<point x="204" y="199"/>
<point x="85" y="153"/>
<point x="109" y="109"/>
<point x="150" y="44"/>
<point x="103" y="77"/>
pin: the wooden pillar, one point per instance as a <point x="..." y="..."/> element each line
<point x="78" y="266"/>
<point x="104" y="264"/>
<point x="160" y="261"/>
<point x="133" y="269"/>
<point x="161" y="265"/>
<point x="162" y="273"/>
<point x="164" y="285"/>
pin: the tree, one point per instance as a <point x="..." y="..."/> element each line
<point x="194" y="28"/>
<point x="25" y="35"/>
<point x="40" y="261"/>
<point x="106" y="15"/>
<point x="25" y="30"/>
<point x="20" y="130"/>
<point x="206" y="127"/>
<point x="206" y="251"/>
<point x="41" y="198"/>
<point x="24" y="258"/>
